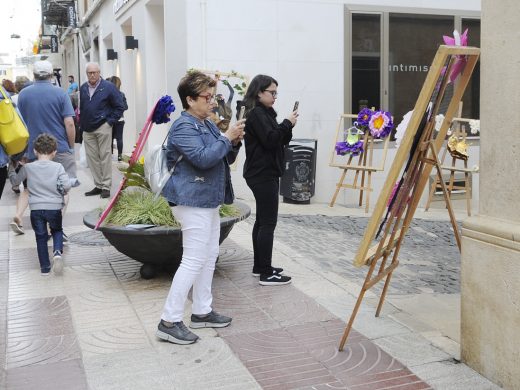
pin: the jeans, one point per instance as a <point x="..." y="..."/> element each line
<point x="39" y="221"/>
<point x="117" y="134"/>
<point x="200" y="245"/>
<point x="266" y="196"/>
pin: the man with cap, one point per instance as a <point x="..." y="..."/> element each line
<point x="101" y="105"/>
<point x="46" y="108"/>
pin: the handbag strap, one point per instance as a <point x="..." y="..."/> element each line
<point x="3" y="93"/>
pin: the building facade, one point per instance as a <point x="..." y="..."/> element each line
<point x="332" y="56"/>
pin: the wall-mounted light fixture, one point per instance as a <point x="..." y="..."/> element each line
<point x="111" y="54"/>
<point x="131" y="42"/>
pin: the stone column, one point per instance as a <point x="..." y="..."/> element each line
<point x="490" y="269"/>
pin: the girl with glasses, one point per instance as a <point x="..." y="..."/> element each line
<point x="265" y="140"/>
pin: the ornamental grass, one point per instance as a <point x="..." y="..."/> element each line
<point x="139" y="206"/>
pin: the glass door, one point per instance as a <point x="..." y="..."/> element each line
<point x="366" y="61"/>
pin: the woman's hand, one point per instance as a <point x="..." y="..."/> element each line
<point x="235" y="133"/>
<point x="293" y="117"/>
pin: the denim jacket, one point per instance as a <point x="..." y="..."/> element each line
<point x="202" y="177"/>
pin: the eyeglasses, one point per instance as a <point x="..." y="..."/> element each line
<point x="273" y="93"/>
<point x="209" y="98"/>
<point x="92" y="73"/>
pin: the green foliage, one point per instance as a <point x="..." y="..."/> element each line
<point x="228" y="210"/>
<point x="135" y="175"/>
<point x="141" y="207"/>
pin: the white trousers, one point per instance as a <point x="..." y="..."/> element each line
<point x="200" y="244"/>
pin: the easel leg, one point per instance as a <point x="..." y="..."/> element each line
<point x="430" y="195"/>
<point x="467" y="188"/>
<point x="446" y="194"/>
<point x="338" y="187"/>
<point x="383" y="294"/>
<point x="361" y="190"/>
<point x="364" y="288"/>
<point x="367" y="196"/>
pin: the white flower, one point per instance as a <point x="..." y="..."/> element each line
<point x="401" y="128"/>
<point x="439" y="118"/>
<point x="474" y="125"/>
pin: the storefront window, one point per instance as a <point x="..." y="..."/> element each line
<point x="366" y="61"/>
<point x="413" y="42"/>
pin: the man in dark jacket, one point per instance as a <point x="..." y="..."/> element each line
<point x="101" y="105"/>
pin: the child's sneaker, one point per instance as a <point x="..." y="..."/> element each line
<point x="57" y="263"/>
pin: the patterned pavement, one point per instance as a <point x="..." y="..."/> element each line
<point x="94" y="326"/>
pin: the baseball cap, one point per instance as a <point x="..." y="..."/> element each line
<point x="42" y="68"/>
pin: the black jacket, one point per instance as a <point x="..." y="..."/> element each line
<point x="265" y="140"/>
<point x="106" y="105"/>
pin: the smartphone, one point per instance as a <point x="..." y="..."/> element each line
<point x="296" y="104"/>
<point x="241" y="113"/>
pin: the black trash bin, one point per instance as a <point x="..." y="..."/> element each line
<point x="297" y="182"/>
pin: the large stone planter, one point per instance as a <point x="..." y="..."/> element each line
<point x="158" y="248"/>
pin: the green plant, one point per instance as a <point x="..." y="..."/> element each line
<point x="140" y="207"/>
<point x="228" y="210"/>
<point x="134" y="175"/>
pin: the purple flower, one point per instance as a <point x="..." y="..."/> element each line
<point x="163" y="109"/>
<point x="364" y="116"/>
<point x="343" y="148"/>
<point x="380" y="124"/>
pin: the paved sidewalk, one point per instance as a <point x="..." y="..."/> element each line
<point x="94" y="326"/>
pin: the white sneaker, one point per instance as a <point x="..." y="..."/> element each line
<point x="57" y="261"/>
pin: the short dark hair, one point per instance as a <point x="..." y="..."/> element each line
<point x="45" y="144"/>
<point x="259" y="84"/>
<point x="192" y="84"/>
<point x="71" y="76"/>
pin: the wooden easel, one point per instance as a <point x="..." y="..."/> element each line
<point x="363" y="167"/>
<point x="461" y="135"/>
<point x="418" y="154"/>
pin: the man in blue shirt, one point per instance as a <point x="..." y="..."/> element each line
<point x="46" y="108"/>
<point x="73" y="86"/>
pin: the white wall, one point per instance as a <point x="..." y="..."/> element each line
<point x="301" y="44"/>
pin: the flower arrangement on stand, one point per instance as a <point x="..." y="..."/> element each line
<point x="378" y="123"/>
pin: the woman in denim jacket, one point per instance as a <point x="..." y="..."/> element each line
<point x="201" y="182"/>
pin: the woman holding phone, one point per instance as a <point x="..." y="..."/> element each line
<point x="265" y="140"/>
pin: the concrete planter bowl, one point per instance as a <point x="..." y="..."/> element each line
<point x="158" y="248"/>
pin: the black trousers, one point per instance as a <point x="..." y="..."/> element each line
<point x="117" y="134"/>
<point x="266" y="196"/>
<point x="3" y="178"/>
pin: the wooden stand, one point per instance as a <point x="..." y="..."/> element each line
<point x="362" y="168"/>
<point x="461" y="135"/>
<point x="419" y="149"/>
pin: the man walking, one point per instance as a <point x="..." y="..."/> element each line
<point x="46" y="108"/>
<point x="101" y="105"/>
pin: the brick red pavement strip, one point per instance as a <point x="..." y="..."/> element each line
<point x="306" y="356"/>
<point x="302" y="350"/>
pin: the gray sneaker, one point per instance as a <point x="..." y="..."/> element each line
<point x="177" y="334"/>
<point x="57" y="262"/>
<point x="210" y="320"/>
